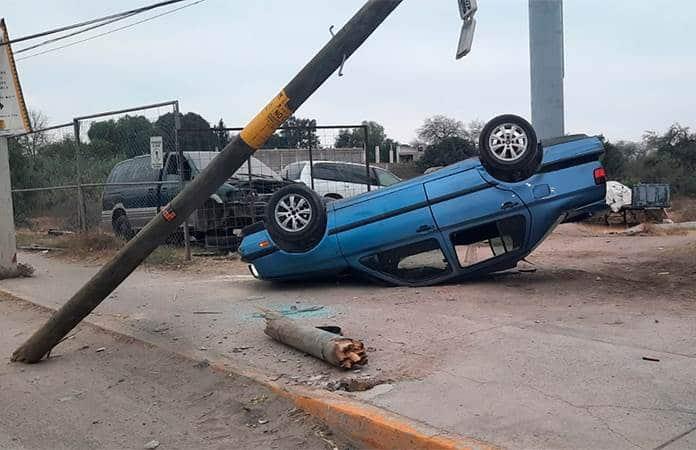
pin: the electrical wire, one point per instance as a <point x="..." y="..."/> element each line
<point x="111" y="31"/>
<point x="90" y="22"/>
<point x="60" y="38"/>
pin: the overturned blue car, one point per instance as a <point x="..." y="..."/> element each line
<point x="474" y="217"/>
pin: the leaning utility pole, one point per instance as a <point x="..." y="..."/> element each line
<point x="254" y="135"/>
<point x="546" y="61"/>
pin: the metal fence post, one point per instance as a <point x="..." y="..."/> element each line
<point x="182" y="180"/>
<point x="311" y="163"/>
<point x="81" y="209"/>
<point x="367" y="157"/>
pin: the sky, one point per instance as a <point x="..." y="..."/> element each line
<point x="630" y="64"/>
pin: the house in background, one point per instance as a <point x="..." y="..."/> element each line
<point x="408" y="153"/>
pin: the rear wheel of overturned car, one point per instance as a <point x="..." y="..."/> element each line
<point x="122" y="227"/>
<point x="296" y="218"/>
<point x="509" y="149"/>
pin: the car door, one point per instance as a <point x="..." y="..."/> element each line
<point x="171" y="182"/>
<point x="354" y="178"/>
<point x="391" y="235"/>
<point x="482" y="223"/>
<point x="143" y="198"/>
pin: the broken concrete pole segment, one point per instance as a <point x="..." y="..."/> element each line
<point x="333" y="348"/>
<point x="231" y="158"/>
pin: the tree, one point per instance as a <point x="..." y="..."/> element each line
<point x="298" y="133"/>
<point x="197" y="135"/>
<point x="222" y="136"/>
<point x="129" y="135"/>
<point x="375" y="137"/>
<point x="447" y="151"/>
<point x="438" y="128"/>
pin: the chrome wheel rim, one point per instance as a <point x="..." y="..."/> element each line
<point x="508" y="142"/>
<point x="293" y="213"/>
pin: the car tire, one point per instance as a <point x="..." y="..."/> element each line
<point x="122" y="227"/>
<point x="295" y="218"/>
<point x="509" y="149"/>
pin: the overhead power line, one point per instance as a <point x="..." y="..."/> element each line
<point x="110" y="31"/>
<point x="65" y="36"/>
<point x="93" y="21"/>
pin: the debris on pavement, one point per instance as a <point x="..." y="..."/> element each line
<point x="207" y="312"/>
<point x="293" y="310"/>
<point x="648" y="358"/>
<point x="361" y="384"/>
<point x="152" y="444"/>
<point x="332" y="348"/>
<point x="202" y="364"/>
<point x="100" y="349"/>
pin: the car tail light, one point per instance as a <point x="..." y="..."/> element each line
<point x="600" y="175"/>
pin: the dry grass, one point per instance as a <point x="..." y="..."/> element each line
<point x="650" y="229"/>
<point x="683" y="209"/>
<point x="96" y="247"/>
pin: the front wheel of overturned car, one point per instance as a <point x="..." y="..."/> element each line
<point x="296" y="218"/>
<point x="122" y="227"/>
<point x="509" y="149"/>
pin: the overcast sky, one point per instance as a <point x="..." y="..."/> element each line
<point x="630" y="64"/>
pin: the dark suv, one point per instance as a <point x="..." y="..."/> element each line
<point x="135" y="193"/>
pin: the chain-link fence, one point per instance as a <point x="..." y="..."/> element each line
<point x="105" y="179"/>
<point x="329" y="159"/>
<point x="44" y="178"/>
<point x="64" y="178"/>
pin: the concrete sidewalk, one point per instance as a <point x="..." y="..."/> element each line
<point x="100" y="391"/>
<point x="552" y="359"/>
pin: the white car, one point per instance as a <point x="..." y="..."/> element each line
<point x="335" y="180"/>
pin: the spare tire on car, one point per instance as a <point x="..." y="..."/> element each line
<point x="509" y="149"/>
<point x="296" y="218"/>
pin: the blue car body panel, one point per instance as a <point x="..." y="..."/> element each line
<point x="439" y="207"/>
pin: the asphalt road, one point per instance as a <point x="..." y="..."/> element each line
<point x="549" y="359"/>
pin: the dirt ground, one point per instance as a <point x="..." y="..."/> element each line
<point x="549" y="357"/>
<point x="103" y="391"/>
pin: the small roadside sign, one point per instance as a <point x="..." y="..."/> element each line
<point x="13" y="112"/>
<point x="156" y="152"/>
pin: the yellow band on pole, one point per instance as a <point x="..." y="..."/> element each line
<point x="261" y="127"/>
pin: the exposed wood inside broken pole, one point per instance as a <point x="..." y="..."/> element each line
<point x="333" y="348"/>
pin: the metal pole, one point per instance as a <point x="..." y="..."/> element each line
<point x="8" y="244"/>
<point x="311" y="164"/>
<point x="252" y="196"/>
<point x="546" y="63"/>
<point x="254" y="135"/>
<point x="367" y="157"/>
<point x="82" y="220"/>
<point x="182" y="180"/>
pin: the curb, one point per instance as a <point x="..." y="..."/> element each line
<point x="363" y="423"/>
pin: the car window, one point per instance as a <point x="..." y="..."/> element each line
<point x="385" y="178"/>
<point x="116" y="174"/>
<point x="128" y="171"/>
<point x="294" y="171"/>
<point x="328" y="171"/>
<point x="354" y="173"/>
<point x="416" y="262"/>
<point x="173" y="164"/>
<point x="488" y="241"/>
<point x="143" y="170"/>
<point x="200" y="160"/>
